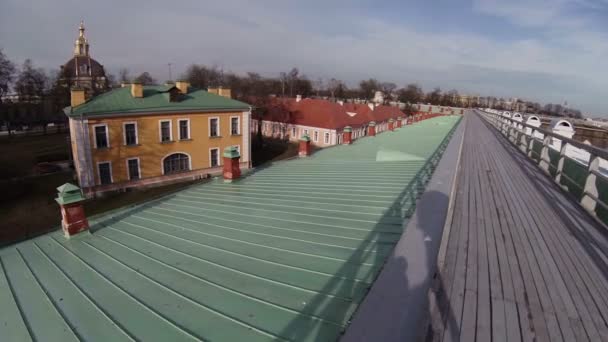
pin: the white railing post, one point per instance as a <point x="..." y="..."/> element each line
<point x="560" y="163"/>
<point x="523" y="143"/>
<point x="531" y="145"/>
<point x="544" y="154"/>
<point x="590" y="188"/>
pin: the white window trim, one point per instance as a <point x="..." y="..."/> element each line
<point x="315" y="136"/>
<point x="219" y="157"/>
<point x="162" y="161"/>
<point x="326" y="138"/>
<point x="305" y="132"/>
<point x="238" y="125"/>
<point x="107" y="134"/>
<point x="124" y="132"/>
<point x="294" y="131"/>
<point x="138" y="167"/>
<point x="99" y="173"/>
<point x="179" y="129"/>
<point x="160" y="130"/>
<point x="219" y="132"/>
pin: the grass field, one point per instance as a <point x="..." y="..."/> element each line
<point x="20" y="154"/>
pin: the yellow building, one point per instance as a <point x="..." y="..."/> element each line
<point x="142" y="135"/>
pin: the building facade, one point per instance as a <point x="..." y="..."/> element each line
<point x="143" y="135"/>
<point x="82" y="70"/>
<point x="322" y="120"/>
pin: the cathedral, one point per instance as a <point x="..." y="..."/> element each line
<point x="83" y="71"/>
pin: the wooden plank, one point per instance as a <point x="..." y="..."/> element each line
<point x="541" y="207"/>
<point x="499" y="321"/>
<point x="453" y="313"/>
<point x="542" y="222"/>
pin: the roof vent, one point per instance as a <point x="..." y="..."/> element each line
<point x="298" y="98"/>
<point x="182" y="86"/>
<point x="137" y="89"/>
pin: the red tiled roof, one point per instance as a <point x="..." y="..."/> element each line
<point x="328" y="114"/>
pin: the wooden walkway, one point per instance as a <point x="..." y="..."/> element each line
<point x="523" y="262"/>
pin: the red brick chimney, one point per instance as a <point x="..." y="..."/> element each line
<point x="371" y="129"/>
<point x="73" y="219"/>
<point x="304" y="148"/>
<point x="348" y="135"/>
<point x="231" y="169"/>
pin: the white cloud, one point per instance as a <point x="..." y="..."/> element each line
<point x="273" y="35"/>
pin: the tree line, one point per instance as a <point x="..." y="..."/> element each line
<point x="39" y="97"/>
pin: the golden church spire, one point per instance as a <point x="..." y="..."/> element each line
<point x="81" y="46"/>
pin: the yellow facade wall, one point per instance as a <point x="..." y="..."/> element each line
<point x="151" y="151"/>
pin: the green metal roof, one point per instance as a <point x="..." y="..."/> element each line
<point x="119" y="102"/>
<point x="288" y="252"/>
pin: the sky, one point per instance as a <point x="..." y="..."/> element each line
<point x="539" y="50"/>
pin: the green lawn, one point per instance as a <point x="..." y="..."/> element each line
<point x="20" y="154"/>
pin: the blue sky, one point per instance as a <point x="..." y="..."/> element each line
<point x="542" y="50"/>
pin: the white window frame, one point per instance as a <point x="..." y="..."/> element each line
<point x="219" y="157"/>
<point x="315" y="136"/>
<point x="294" y="131"/>
<point x="305" y="132"/>
<point x="160" y="130"/>
<point x="124" y="132"/>
<point x="219" y="132"/>
<point x="179" y="129"/>
<point x="99" y="173"/>
<point x="326" y="138"/>
<point x="238" y="125"/>
<point x="107" y="134"/>
<point x="138" y="167"/>
<point x="162" y="161"/>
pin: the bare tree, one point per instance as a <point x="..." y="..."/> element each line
<point x="368" y="87"/>
<point x="31" y="82"/>
<point x="7" y="72"/>
<point x="145" y="78"/>
<point x="412" y="93"/>
<point x="387" y="88"/>
<point x="292" y="76"/>
<point x="123" y="76"/>
<point x="332" y="87"/>
<point x="318" y="86"/>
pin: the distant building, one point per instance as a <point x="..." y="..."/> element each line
<point x="82" y="70"/>
<point x="323" y="121"/>
<point x="141" y="135"/>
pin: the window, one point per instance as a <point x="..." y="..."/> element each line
<point x="326" y="138"/>
<point x="105" y="172"/>
<point x="214" y="157"/>
<point x="101" y="136"/>
<point x="130" y="130"/>
<point x="293" y="132"/>
<point x="305" y="132"/>
<point x="214" y="127"/>
<point x="165" y="131"/>
<point x="235" y="125"/>
<point x="133" y="168"/>
<point x="315" y="136"/>
<point x="184" y="129"/>
<point x="175" y="163"/>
